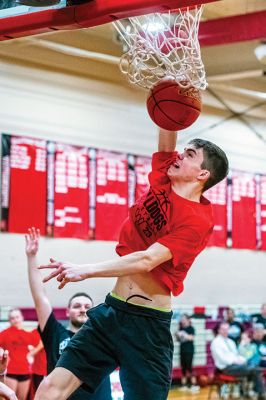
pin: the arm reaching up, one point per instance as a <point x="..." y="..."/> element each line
<point x="167" y="140"/>
<point x="41" y="301"/>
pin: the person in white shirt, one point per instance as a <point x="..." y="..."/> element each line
<point x="228" y="360"/>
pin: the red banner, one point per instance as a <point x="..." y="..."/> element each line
<point x="263" y="211"/>
<point x="243" y="211"/>
<point x="27" y="185"/>
<point x="71" y="197"/>
<point x="142" y="169"/>
<point x="111" y="194"/>
<point x="218" y="197"/>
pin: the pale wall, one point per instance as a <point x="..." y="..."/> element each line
<point x="217" y="276"/>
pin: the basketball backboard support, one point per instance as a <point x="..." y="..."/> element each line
<point x="89" y="14"/>
<point x="16" y="22"/>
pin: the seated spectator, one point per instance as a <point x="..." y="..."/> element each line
<point x="5" y="391"/>
<point x="235" y="327"/>
<point x="228" y="360"/>
<point x="258" y="340"/>
<point x="249" y="350"/>
<point x="16" y="340"/>
<point x="261" y="319"/>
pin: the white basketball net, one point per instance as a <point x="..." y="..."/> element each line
<point x="163" y="45"/>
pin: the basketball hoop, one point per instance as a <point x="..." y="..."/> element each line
<point x="163" y="46"/>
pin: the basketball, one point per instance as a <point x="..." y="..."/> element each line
<point x="173" y="107"/>
<point x="203" y="380"/>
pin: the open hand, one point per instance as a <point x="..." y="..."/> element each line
<point x="32" y="241"/>
<point x="65" y="272"/>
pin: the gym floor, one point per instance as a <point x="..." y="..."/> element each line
<point x="177" y="394"/>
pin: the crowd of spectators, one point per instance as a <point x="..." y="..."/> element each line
<point x="239" y="350"/>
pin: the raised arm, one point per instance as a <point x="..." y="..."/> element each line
<point x="41" y="301"/>
<point x="167" y="140"/>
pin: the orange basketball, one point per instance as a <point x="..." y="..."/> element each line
<point x="203" y="380"/>
<point x="173" y="107"/>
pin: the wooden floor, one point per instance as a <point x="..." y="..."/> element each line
<point x="176" y="394"/>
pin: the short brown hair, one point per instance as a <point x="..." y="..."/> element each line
<point x="214" y="160"/>
<point x="78" y="295"/>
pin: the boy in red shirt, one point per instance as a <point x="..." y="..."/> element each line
<point x="166" y="229"/>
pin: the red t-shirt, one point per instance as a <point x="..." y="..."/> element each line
<point x="16" y="341"/>
<point x="39" y="366"/>
<point x="162" y="216"/>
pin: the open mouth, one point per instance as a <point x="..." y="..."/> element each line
<point x="176" y="165"/>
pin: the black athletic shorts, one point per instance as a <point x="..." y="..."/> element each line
<point x="118" y="334"/>
<point x="19" y="377"/>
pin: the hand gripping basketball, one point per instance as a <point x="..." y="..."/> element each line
<point x="173" y="106"/>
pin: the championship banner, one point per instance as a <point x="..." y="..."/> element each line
<point x="111" y="194"/>
<point x="142" y="169"/>
<point x="28" y="177"/>
<point x="217" y="196"/>
<point x="263" y="211"/>
<point x="244" y="211"/>
<point x="5" y="181"/>
<point x="71" y="193"/>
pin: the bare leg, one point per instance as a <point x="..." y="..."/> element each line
<point x="23" y="389"/>
<point x="58" y="385"/>
<point x="12" y="383"/>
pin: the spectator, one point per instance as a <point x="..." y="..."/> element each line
<point x="235" y="327"/>
<point x="54" y="335"/>
<point x="185" y="335"/>
<point x="258" y="340"/>
<point x="16" y="340"/>
<point x="249" y="350"/>
<point x="261" y="319"/>
<point x="5" y="391"/>
<point x="228" y="360"/>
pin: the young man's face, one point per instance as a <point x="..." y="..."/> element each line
<point x="187" y="167"/>
<point x="76" y="312"/>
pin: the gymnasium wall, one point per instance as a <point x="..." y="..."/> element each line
<point x="93" y="113"/>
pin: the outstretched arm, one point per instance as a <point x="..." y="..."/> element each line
<point x="134" y="263"/>
<point x="167" y="140"/>
<point x="41" y="301"/>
